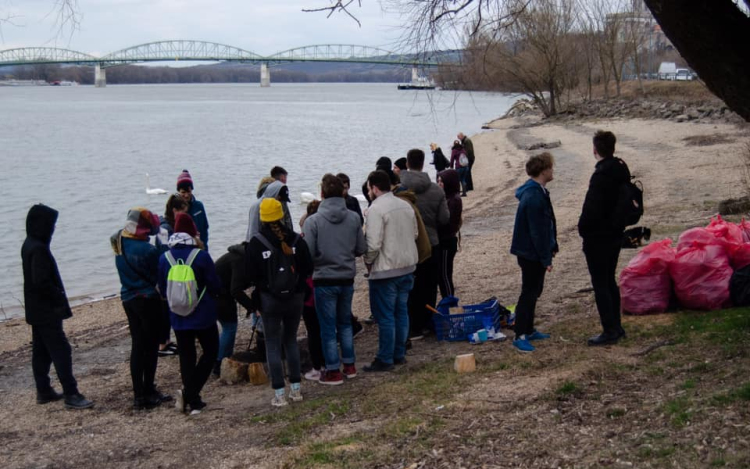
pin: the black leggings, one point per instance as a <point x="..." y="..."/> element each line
<point x="144" y="319"/>
<point x="280" y="325"/>
<point x="446" y="253"/>
<point x="532" y="284"/>
<point x="194" y="376"/>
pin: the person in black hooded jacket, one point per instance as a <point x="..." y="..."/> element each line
<point x="46" y="307"/>
<point x="448" y="233"/>
<point x="602" y="235"/>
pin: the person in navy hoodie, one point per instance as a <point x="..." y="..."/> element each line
<point x="195" y="206"/>
<point x="534" y="244"/>
<point x="201" y="323"/>
<point x="136" y="260"/>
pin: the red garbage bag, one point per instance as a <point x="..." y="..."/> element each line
<point x="645" y="284"/>
<point x="726" y="231"/>
<point x="697" y="235"/>
<point x="701" y="275"/>
<point x="739" y="257"/>
<point x="745" y="227"/>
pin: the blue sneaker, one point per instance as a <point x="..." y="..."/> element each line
<point x="523" y="345"/>
<point x="536" y="335"/>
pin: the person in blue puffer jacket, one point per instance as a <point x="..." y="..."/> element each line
<point x="136" y="260"/>
<point x="534" y="244"/>
<point x="201" y="323"/>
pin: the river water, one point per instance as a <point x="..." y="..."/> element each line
<point x="85" y="152"/>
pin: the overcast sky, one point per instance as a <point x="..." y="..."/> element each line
<point x="263" y="27"/>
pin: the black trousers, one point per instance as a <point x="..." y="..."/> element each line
<point x="532" y="284"/>
<point x="314" y="342"/>
<point x="49" y="345"/>
<point x="424" y="292"/>
<point x="446" y="253"/>
<point x="194" y="376"/>
<point x="145" y="321"/>
<point x="469" y="179"/>
<point x="601" y="258"/>
<point x="280" y="324"/>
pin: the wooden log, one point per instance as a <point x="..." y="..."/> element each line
<point x="257" y="374"/>
<point x="465" y="363"/>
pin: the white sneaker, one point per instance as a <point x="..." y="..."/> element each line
<point x="295" y="395"/>
<point x="279" y="400"/>
<point x="313" y="375"/>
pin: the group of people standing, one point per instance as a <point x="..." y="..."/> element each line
<point x="408" y="237"/>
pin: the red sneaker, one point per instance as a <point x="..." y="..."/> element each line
<point x="331" y="377"/>
<point x="350" y="371"/>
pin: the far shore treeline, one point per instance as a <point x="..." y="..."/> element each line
<point x="138" y="74"/>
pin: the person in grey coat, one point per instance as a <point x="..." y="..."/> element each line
<point x="335" y="239"/>
<point x="433" y="207"/>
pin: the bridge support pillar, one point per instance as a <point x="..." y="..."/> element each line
<point x="265" y="75"/>
<point x="100" y="76"/>
<point x="414" y="74"/>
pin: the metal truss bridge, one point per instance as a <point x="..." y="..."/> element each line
<point x="188" y="50"/>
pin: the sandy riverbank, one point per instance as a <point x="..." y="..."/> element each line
<point x="683" y="184"/>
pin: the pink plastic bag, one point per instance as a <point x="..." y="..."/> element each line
<point x="739" y="257"/>
<point x="701" y="275"/>
<point x="745" y="227"/>
<point x="696" y="235"/>
<point x="645" y="284"/>
<point x="726" y="231"/>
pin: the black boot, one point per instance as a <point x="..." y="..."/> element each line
<point x="49" y="396"/>
<point x="604" y="339"/>
<point x="77" y="401"/>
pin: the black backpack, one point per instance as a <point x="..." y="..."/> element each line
<point x="629" y="208"/>
<point x="281" y="272"/>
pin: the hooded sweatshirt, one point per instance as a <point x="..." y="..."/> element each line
<point x="335" y="239"/>
<point x="452" y="189"/>
<point x="45" y="301"/>
<point x="271" y="192"/>
<point x="430" y="201"/>
<point x="535" y="230"/>
<point x="230" y="268"/>
<point x="135" y="258"/>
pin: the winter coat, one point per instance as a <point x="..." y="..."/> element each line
<point x="391" y="223"/>
<point x="352" y="203"/>
<point x="198" y="212"/>
<point x="230" y="268"/>
<point x="335" y="239"/>
<point x="424" y="248"/>
<point x="137" y="267"/>
<point x="535" y="230"/>
<point x="45" y="301"/>
<point x="601" y="200"/>
<point x="469" y="148"/>
<point x="271" y="192"/>
<point x="204" y="315"/>
<point x="456" y="156"/>
<point x="452" y="189"/>
<point x="257" y="263"/>
<point x="430" y="201"/>
<point x="439" y="160"/>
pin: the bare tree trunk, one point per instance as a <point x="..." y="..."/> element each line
<point x="713" y="37"/>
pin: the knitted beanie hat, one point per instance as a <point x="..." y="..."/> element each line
<point x="400" y="164"/>
<point x="183" y="223"/>
<point x="383" y="163"/>
<point x="184" y="180"/>
<point x="271" y="210"/>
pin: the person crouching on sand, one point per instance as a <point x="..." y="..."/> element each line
<point x="534" y="244"/>
<point x="137" y="261"/>
<point x="201" y="322"/>
<point x="278" y="264"/>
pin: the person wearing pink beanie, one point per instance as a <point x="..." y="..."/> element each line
<point x="195" y="207"/>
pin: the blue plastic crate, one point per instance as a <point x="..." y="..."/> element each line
<point x="457" y="327"/>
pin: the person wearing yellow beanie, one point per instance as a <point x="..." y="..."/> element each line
<point x="271" y="210"/>
<point x="280" y="285"/>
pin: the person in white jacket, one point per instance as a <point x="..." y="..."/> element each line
<point x="391" y="259"/>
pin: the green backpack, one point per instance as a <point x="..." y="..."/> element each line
<point x="182" y="287"/>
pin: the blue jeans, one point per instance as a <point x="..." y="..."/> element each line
<point x="226" y="339"/>
<point x="463" y="176"/>
<point x="334" y="307"/>
<point x="388" y="301"/>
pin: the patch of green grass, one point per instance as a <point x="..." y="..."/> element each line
<point x="616" y="413"/>
<point x="294" y="429"/>
<point x="349" y="451"/>
<point x="718" y="462"/>
<point x="740" y="394"/>
<point x="568" y="388"/>
<point x="688" y="384"/>
<point x="678" y="410"/>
